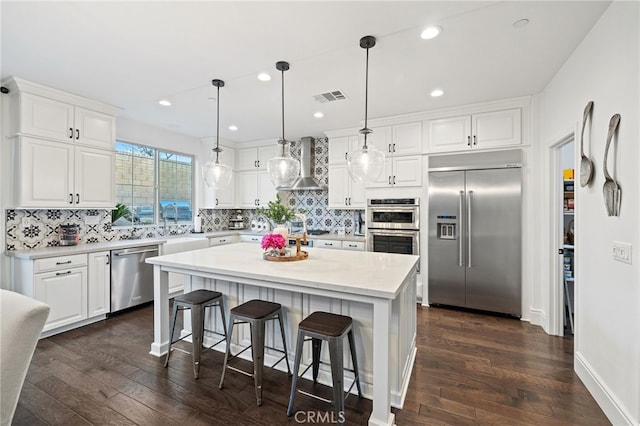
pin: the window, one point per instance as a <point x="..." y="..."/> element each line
<point x="152" y="185"/>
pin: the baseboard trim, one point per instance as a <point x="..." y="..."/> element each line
<point x="612" y="408"/>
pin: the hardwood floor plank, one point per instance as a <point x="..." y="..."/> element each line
<point x="47" y="408"/>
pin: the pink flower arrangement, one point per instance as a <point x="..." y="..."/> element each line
<point x="273" y="241"/>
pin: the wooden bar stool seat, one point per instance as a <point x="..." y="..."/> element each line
<point x="197" y="301"/>
<point x="255" y="313"/>
<point x="331" y="328"/>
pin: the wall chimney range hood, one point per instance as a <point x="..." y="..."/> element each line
<point x="305" y="182"/>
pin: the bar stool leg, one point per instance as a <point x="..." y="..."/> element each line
<point x="257" y="350"/>
<point x="337" y="373"/>
<point x="226" y="354"/>
<point x="173" y="325"/>
<point x="224" y="321"/>
<point x="197" y="325"/>
<point x="296" y="367"/>
<point x="354" y="360"/>
<point x="284" y="342"/>
<point x="316" y="346"/>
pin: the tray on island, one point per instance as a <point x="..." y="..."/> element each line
<point x="302" y="255"/>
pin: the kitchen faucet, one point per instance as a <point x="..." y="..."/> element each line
<point x="164" y="217"/>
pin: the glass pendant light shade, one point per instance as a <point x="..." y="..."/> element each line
<point x="283" y="169"/>
<point x="215" y="174"/>
<point x="367" y="163"/>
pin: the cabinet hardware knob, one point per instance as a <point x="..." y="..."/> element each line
<point x="77" y="134"/>
<point x="63" y="263"/>
<point x="328" y="244"/>
<point x="474" y="140"/>
<point x="345" y="155"/>
<point x="258" y="163"/>
<point x="394" y="180"/>
<point x="70" y="198"/>
<point x="77" y="198"/>
<point x="216" y="201"/>
<point x="108" y="259"/>
<point x="468" y="140"/>
<point x="389" y="180"/>
<point x="63" y="273"/>
<point x="349" y="200"/>
<point x="394" y="147"/>
<point x="70" y="132"/>
<point x="389" y="148"/>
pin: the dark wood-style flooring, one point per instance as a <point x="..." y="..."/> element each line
<point x="470" y="369"/>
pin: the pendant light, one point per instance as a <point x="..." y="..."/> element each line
<point x="215" y="174"/>
<point x="366" y="164"/>
<point x="283" y="169"/>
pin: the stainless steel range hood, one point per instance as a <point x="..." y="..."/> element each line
<point x="305" y="182"/>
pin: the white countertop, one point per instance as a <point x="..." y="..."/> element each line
<point x="82" y="248"/>
<point x="353" y="272"/>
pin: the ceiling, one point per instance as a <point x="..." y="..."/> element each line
<point x="131" y="54"/>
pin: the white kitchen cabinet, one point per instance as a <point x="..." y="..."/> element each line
<point x="402" y="171"/>
<point x="251" y="238"/>
<point x="99" y="284"/>
<point x="344" y="193"/>
<point x="223" y="198"/>
<point x="330" y="244"/>
<point x="61" y="121"/>
<point x="55" y="174"/>
<point x="476" y="131"/>
<point x="179" y="245"/>
<point x="353" y="245"/>
<point x="406" y="139"/>
<point x="254" y="189"/>
<point x="227" y="239"/>
<point x="340" y="147"/>
<point x="255" y="158"/>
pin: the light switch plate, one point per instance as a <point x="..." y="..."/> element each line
<point x="622" y="252"/>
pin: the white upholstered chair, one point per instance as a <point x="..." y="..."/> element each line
<point x="21" y="322"/>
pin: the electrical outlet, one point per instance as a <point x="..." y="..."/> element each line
<point x="26" y="222"/>
<point x="622" y="252"/>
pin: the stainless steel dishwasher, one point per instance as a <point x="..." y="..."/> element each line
<point x="131" y="277"/>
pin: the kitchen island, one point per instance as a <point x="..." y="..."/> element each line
<point x="378" y="290"/>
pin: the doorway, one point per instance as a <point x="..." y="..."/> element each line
<point x="564" y="180"/>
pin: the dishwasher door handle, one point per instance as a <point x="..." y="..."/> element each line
<point x="135" y="252"/>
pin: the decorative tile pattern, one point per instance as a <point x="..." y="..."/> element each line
<point x="30" y="229"/>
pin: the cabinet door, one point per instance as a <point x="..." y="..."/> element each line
<point x="406" y="139"/>
<point x="65" y="292"/>
<point x="45" y="174"/>
<point x="499" y="128"/>
<point x="386" y="178"/>
<point x="45" y="117"/>
<point x="94" y="128"/>
<point x="99" y="284"/>
<point x="266" y="190"/>
<point x="247" y="187"/>
<point x="247" y="159"/>
<point x="449" y="134"/>
<point x="380" y="138"/>
<point x="338" y="186"/>
<point x="94" y="178"/>
<point x="265" y="153"/>
<point x="407" y="171"/>
<point x="357" y="195"/>
<point x="338" y="149"/>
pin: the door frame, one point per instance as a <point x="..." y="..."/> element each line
<point x="556" y="229"/>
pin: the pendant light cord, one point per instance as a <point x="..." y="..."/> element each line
<point x="366" y="99"/>
<point x="283" y="140"/>
<point x="218" y="125"/>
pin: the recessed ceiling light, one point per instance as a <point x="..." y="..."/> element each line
<point x="164" y="102"/>
<point x="520" y="23"/>
<point x="263" y="76"/>
<point x="431" y="32"/>
<point x="318" y="115"/>
<point x="437" y="92"/>
<point x="233" y="128"/>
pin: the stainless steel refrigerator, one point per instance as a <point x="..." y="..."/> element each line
<point x="475" y="239"/>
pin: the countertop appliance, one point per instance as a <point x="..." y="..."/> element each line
<point x="475" y="221"/>
<point x="131" y="277"/>
<point x="69" y="235"/>
<point x="393" y="225"/>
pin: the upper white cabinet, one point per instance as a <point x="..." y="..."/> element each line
<point x="398" y="139"/>
<point x="340" y="147"/>
<point x="63" y="148"/>
<point x="344" y="193"/>
<point x="54" y="174"/>
<point x="51" y="119"/>
<point x="255" y="158"/>
<point x="476" y="131"/>
<point x="400" y="171"/>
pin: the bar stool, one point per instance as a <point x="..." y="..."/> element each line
<point x="197" y="301"/>
<point x="331" y="328"/>
<point x="255" y="313"/>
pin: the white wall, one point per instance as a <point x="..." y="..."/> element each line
<point x="605" y="69"/>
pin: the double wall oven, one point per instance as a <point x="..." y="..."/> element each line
<point x="393" y="225"/>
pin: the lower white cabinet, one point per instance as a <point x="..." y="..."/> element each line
<point x="65" y="291"/>
<point x="99" y="284"/>
<point x="251" y="238"/>
<point x="330" y="244"/>
<point x="353" y="245"/>
<point x="227" y="239"/>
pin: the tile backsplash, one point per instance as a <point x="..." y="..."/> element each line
<point x="30" y="229"/>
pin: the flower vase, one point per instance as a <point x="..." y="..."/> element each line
<point x="281" y="229"/>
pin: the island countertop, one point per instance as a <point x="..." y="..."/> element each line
<point x="353" y="272"/>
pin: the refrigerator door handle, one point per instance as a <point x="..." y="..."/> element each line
<point x="469" y="230"/>
<point x="460" y="201"/>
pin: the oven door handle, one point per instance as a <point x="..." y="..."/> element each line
<point x="397" y="233"/>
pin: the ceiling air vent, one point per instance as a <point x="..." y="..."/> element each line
<point x="336" y="95"/>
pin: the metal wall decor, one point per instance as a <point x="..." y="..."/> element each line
<point x="586" y="165"/>
<point x="611" y="190"/>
